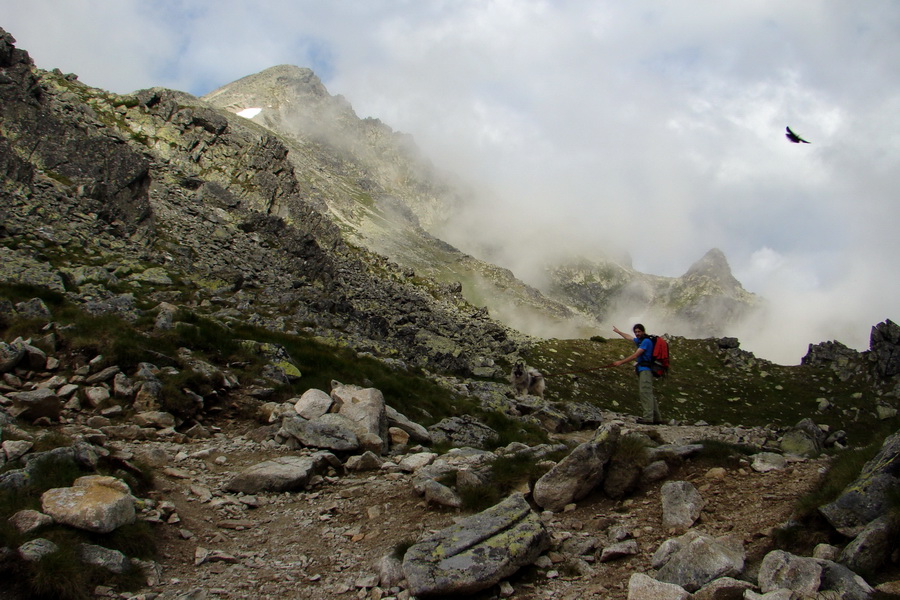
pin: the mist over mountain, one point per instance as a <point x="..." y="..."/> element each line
<point x="390" y="199"/>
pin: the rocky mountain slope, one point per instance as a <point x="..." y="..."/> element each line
<point x="379" y="190"/>
<point x="105" y="194"/>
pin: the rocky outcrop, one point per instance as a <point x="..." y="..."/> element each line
<point x="867" y="498"/>
<point x="884" y="345"/>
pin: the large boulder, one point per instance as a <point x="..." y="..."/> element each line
<point x="477" y="551"/>
<point x="313" y="404"/>
<point x="871" y="549"/>
<point x="94" y="503"/>
<point x="10" y="355"/>
<point x="581" y="471"/>
<point x="869" y="497"/>
<point x="804" y="439"/>
<point x="417" y="433"/>
<point x="364" y="407"/>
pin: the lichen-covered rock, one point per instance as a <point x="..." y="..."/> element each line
<point x="94" y="503"/>
<point x="476" y="552"/>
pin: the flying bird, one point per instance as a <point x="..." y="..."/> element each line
<point x="794" y="137"/>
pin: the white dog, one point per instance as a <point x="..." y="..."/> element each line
<point x="526" y="380"/>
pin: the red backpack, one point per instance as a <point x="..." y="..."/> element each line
<point x="659" y="364"/>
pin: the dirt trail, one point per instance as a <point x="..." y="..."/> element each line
<point x="325" y="541"/>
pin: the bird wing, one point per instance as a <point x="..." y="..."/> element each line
<point x="793" y="136"/>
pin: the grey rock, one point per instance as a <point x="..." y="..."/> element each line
<point x="805" y="439"/>
<point x="365" y="407"/>
<point x="871" y="549"/>
<point x="10" y="355"/>
<point x="98" y="556"/>
<point x="884" y="342"/>
<point x="35" y="404"/>
<point x="438" y="493"/>
<point x="26" y="521"/>
<point x="644" y="587"/>
<point x="681" y="505"/>
<point x="723" y="588"/>
<point x="780" y="569"/>
<point x="619" y="550"/>
<point x="15" y="449"/>
<point x="655" y="471"/>
<point x="367" y="461"/>
<point x="848" y="585"/>
<point x="313" y="404"/>
<point x="463" y="431"/>
<point x="693" y="560"/>
<point x="94" y="503"/>
<point x="476" y="552"/>
<point x="763" y="462"/>
<point x="319" y="434"/>
<point x="36" y="549"/>
<point x="417" y="433"/>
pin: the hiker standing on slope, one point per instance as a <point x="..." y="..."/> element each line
<point x="644" y="357"/>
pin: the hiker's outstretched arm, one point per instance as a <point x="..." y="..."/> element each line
<point x="634" y="356"/>
<point x="626" y="336"/>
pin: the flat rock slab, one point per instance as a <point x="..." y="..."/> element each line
<point x="282" y="474"/>
<point x="93" y="503"/>
<point x="476" y="552"/>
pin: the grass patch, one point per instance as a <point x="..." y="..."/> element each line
<point x="632" y="449"/>
<point x="508" y="471"/>
<point x="59" y="575"/>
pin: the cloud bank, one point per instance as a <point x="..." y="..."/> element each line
<point x="585" y="126"/>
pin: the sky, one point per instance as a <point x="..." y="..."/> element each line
<point x="654" y="128"/>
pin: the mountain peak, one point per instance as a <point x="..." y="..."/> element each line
<point x="715" y="266"/>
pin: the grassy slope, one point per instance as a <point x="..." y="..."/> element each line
<point x="701" y="386"/>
